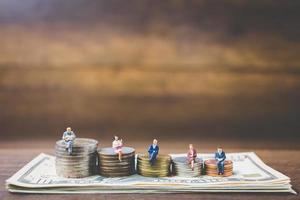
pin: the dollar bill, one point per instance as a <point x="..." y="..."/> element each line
<point x="250" y="174"/>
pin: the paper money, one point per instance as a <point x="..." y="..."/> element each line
<point x="250" y="174"/>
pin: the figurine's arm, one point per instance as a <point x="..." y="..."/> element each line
<point x="114" y="145"/>
<point x="150" y="149"/>
<point x="73" y="136"/>
<point x="224" y="157"/>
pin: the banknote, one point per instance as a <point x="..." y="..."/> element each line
<point x="250" y="174"/>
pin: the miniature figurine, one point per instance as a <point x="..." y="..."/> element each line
<point x="69" y="137"/>
<point x="117" y="145"/>
<point x="191" y="156"/>
<point x="153" y="152"/>
<point x="220" y="158"/>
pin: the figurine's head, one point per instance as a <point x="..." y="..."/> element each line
<point x="116" y="137"/>
<point x="219" y="149"/>
<point x="155" y="141"/>
<point x="191" y="146"/>
<point x="69" y="129"/>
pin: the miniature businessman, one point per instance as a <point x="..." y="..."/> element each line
<point x="117" y="145"/>
<point x="153" y="152"/>
<point x="69" y="137"/>
<point x="191" y="156"/>
<point x="220" y="158"/>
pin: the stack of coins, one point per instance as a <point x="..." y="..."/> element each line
<point x="111" y="166"/>
<point x="182" y="168"/>
<point x="211" y="168"/>
<point x="81" y="163"/>
<point x="161" y="167"/>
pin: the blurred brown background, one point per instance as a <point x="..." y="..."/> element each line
<point x="198" y="70"/>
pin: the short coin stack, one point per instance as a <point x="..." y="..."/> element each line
<point x="182" y="168"/>
<point x="211" y="168"/>
<point x="81" y="163"/>
<point x="161" y="167"/>
<point x="111" y="166"/>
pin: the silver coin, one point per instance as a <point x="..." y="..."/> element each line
<point x="109" y="151"/>
<point x="74" y="153"/>
<point x="182" y="168"/>
<point x="81" y="163"/>
<point x="74" y="175"/>
<point x="114" y="165"/>
<point x="79" y="142"/>
<point x="82" y="158"/>
<point x="77" y="148"/>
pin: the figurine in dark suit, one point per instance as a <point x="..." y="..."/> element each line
<point x="220" y="158"/>
<point x="153" y="152"/>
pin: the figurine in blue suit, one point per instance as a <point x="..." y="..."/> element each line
<point x="220" y="158"/>
<point x="153" y="152"/>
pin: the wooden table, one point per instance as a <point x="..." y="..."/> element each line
<point x="14" y="155"/>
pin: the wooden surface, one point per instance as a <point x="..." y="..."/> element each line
<point x="14" y="155"/>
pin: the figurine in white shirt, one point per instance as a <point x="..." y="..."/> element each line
<point x="69" y="137"/>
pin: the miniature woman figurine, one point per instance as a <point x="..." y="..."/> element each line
<point x="220" y="158"/>
<point x="153" y="152"/>
<point x="191" y="156"/>
<point x="69" y="137"/>
<point x="117" y="145"/>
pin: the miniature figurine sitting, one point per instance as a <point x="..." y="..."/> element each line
<point x="220" y="158"/>
<point x="153" y="152"/>
<point x="69" y="137"/>
<point x="117" y="145"/>
<point x="191" y="156"/>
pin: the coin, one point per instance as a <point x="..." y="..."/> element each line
<point x="81" y="163"/>
<point x="182" y="168"/>
<point x="111" y="166"/>
<point x="211" y="168"/>
<point x="161" y="167"/>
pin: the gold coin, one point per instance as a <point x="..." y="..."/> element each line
<point x="224" y="175"/>
<point x="213" y="162"/>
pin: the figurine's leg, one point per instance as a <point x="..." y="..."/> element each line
<point x="151" y="159"/>
<point x="219" y="168"/>
<point x="120" y="156"/>
<point x="222" y="167"/>
<point x="71" y="147"/>
<point x="192" y="164"/>
<point x="154" y="159"/>
<point x="67" y="145"/>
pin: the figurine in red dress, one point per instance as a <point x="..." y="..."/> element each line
<point x="191" y="156"/>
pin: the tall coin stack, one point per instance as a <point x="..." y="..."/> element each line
<point x="81" y="163"/>
<point x="161" y="167"/>
<point x="111" y="166"/>
<point x="211" y="168"/>
<point x="182" y="168"/>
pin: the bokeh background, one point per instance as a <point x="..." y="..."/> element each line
<point x="183" y="69"/>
